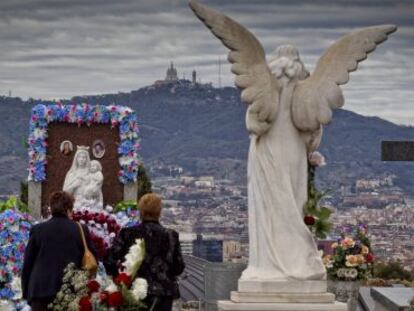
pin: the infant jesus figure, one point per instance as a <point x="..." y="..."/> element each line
<point x="93" y="189"/>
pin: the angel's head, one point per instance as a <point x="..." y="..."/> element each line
<point x="287" y="62"/>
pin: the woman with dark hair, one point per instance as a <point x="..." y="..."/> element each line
<point x="163" y="260"/>
<point x="52" y="246"/>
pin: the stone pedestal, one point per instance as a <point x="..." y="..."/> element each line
<point x="131" y="191"/>
<point x="283" y="296"/>
<point x="35" y="198"/>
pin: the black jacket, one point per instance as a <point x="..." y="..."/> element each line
<point x="163" y="260"/>
<point x="52" y="246"/>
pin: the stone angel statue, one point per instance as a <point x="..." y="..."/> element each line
<point x="287" y="108"/>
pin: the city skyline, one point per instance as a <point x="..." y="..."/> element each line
<point x="59" y="49"/>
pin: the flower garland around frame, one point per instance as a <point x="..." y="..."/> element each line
<point x="123" y="117"/>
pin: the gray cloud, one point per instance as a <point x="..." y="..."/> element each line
<point x="63" y="48"/>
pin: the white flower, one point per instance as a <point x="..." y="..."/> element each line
<point x="126" y="160"/>
<point x="111" y="288"/>
<point x="140" y="288"/>
<point x="109" y="208"/>
<point x="134" y="257"/>
<point x="16" y="286"/>
<point x="39" y="133"/>
<point x="351" y="273"/>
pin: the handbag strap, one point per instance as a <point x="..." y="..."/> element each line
<point x="83" y="237"/>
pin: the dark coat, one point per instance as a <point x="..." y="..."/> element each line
<point x="163" y="260"/>
<point x="52" y="246"/>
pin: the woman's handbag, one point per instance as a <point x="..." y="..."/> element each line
<point x="88" y="261"/>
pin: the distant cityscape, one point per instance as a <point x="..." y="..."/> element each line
<point x="211" y="215"/>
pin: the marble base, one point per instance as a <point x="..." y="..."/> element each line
<point x="240" y="297"/>
<point x="283" y="296"/>
<point x="233" y="306"/>
<point x="251" y="286"/>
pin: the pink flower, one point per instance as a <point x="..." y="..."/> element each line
<point x="316" y="159"/>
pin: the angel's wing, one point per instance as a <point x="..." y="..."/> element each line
<point x="315" y="97"/>
<point x="253" y="76"/>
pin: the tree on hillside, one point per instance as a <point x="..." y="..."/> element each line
<point x="144" y="182"/>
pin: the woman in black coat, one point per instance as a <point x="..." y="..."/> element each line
<point x="52" y="246"/>
<point x="163" y="260"/>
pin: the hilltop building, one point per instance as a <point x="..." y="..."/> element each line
<point x="172" y="75"/>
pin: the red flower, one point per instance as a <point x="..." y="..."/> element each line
<point x="115" y="299"/>
<point x="369" y="258"/>
<point x="309" y="220"/>
<point x="103" y="296"/>
<point x="123" y="278"/>
<point x="85" y="304"/>
<point x="93" y="286"/>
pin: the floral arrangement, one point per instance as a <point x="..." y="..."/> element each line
<point x="316" y="217"/>
<point x="102" y="225"/>
<point x="124" y="292"/>
<point x="116" y="116"/>
<point x="125" y="206"/>
<point x="352" y="259"/>
<point x="14" y="234"/>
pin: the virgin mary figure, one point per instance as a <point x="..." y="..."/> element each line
<point x="77" y="178"/>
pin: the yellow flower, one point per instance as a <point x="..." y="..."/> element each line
<point x="351" y="261"/>
<point x="327" y="259"/>
<point x="360" y="259"/>
<point x="364" y="250"/>
<point x="334" y="245"/>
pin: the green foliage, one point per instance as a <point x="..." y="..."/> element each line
<point x="364" y="238"/>
<point x="144" y="182"/>
<point x="124" y="206"/>
<point x="24" y="192"/>
<point x="13" y="202"/>
<point x="392" y="270"/>
<point x="322" y="225"/>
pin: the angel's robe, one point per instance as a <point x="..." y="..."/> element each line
<point x="281" y="245"/>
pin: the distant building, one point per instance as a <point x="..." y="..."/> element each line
<point x="186" y="241"/>
<point x="172" y="75"/>
<point x="205" y="182"/>
<point x="232" y="251"/>
<point x="208" y="249"/>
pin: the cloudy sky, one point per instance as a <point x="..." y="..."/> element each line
<point x="62" y="48"/>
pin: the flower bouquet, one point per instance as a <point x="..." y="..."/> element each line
<point x="123" y="293"/>
<point x="352" y="259"/>
<point x="316" y="217"/>
<point x="102" y="225"/>
<point x="14" y="233"/>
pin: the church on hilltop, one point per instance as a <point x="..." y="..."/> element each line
<point x="171" y="74"/>
<point x="171" y="77"/>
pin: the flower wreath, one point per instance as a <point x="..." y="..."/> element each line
<point x="123" y="117"/>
